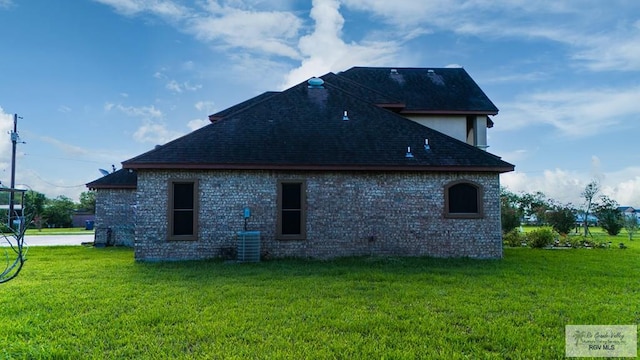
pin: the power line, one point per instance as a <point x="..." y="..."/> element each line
<point x="62" y="158"/>
<point x="56" y="185"/>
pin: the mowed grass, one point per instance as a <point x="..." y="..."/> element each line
<point x="83" y="302"/>
<point x="59" y="231"/>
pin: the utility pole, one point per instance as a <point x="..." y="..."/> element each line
<point x="14" y="141"/>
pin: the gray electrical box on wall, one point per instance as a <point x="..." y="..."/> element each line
<point x="249" y="246"/>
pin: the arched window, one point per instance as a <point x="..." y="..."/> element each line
<point x="463" y="199"/>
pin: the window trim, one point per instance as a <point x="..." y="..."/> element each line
<point x="170" y="210"/>
<point x="303" y="211"/>
<point x="479" y="199"/>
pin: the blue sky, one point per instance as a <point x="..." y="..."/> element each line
<point x="98" y="82"/>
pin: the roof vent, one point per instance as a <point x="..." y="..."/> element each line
<point x="430" y="71"/>
<point x="408" y="154"/>
<point x="426" y="144"/>
<point x="315" y="83"/>
<point x="396" y="76"/>
<point x="345" y="116"/>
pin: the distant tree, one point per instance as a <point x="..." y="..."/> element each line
<point x="562" y="218"/>
<point x="510" y="213"/>
<point x="35" y="202"/>
<point x="631" y="225"/>
<point x="589" y="193"/>
<point x="535" y="204"/>
<point x="88" y="201"/>
<point x="609" y="217"/>
<point x="509" y="218"/>
<point x="58" y="211"/>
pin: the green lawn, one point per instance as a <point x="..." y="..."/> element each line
<point x="59" y="231"/>
<point x="82" y="302"/>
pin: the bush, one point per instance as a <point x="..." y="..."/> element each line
<point x="575" y="241"/>
<point x="513" y="238"/>
<point x="509" y="219"/>
<point x="540" y="238"/>
<point x="562" y="220"/>
<point x="611" y="222"/>
<point x="4" y="229"/>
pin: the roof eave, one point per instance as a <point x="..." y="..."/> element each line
<point x="448" y="112"/>
<point x="214" y="118"/>
<point x="95" y="187"/>
<point x="180" y="166"/>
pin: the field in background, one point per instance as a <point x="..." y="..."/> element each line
<point x="596" y="234"/>
<point x="83" y="302"/>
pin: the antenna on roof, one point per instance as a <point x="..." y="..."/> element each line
<point x="103" y="172"/>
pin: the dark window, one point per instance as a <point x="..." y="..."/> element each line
<point x="291" y="212"/>
<point x="463" y="199"/>
<point x="183" y="210"/>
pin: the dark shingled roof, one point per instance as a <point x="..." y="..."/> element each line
<point x="435" y="90"/>
<point x="245" y="104"/>
<point x="303" y="128"/>
<point x="121" y="179"/>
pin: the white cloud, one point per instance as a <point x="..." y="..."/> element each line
<point x="267" y="31"/>
<point x="196" y="124"/>
<point x="565" y="186"/>
<point x="626" y="192"/>
<point x="579" y="113"/>
<point x="233" y="24"/>
<point x="167" y="9"/>
<point x="143" y="112"/>
<point x="125" y="7"/>
<point x="325" y="51"/>
<point x="600" y="35"/>
<point x="155" y="133"/>
<point x="517" y="78"/>
<point x="182" y="87"/>
<point x="188" y="65"/>
<point x="561" y="185"/>
<point x="515" y="155"/>
<point x="619" y="50"/>
<point x="66" y="147"/>
<point x="206" y="106"/>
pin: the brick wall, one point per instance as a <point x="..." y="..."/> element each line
<point x="115" y="216"/>
<point x="348" y="214"/>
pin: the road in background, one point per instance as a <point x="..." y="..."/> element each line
<point x="53" y="240"/>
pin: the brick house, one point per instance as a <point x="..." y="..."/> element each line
<point x="115" y="208"/>
<point x="370" y="161"/>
